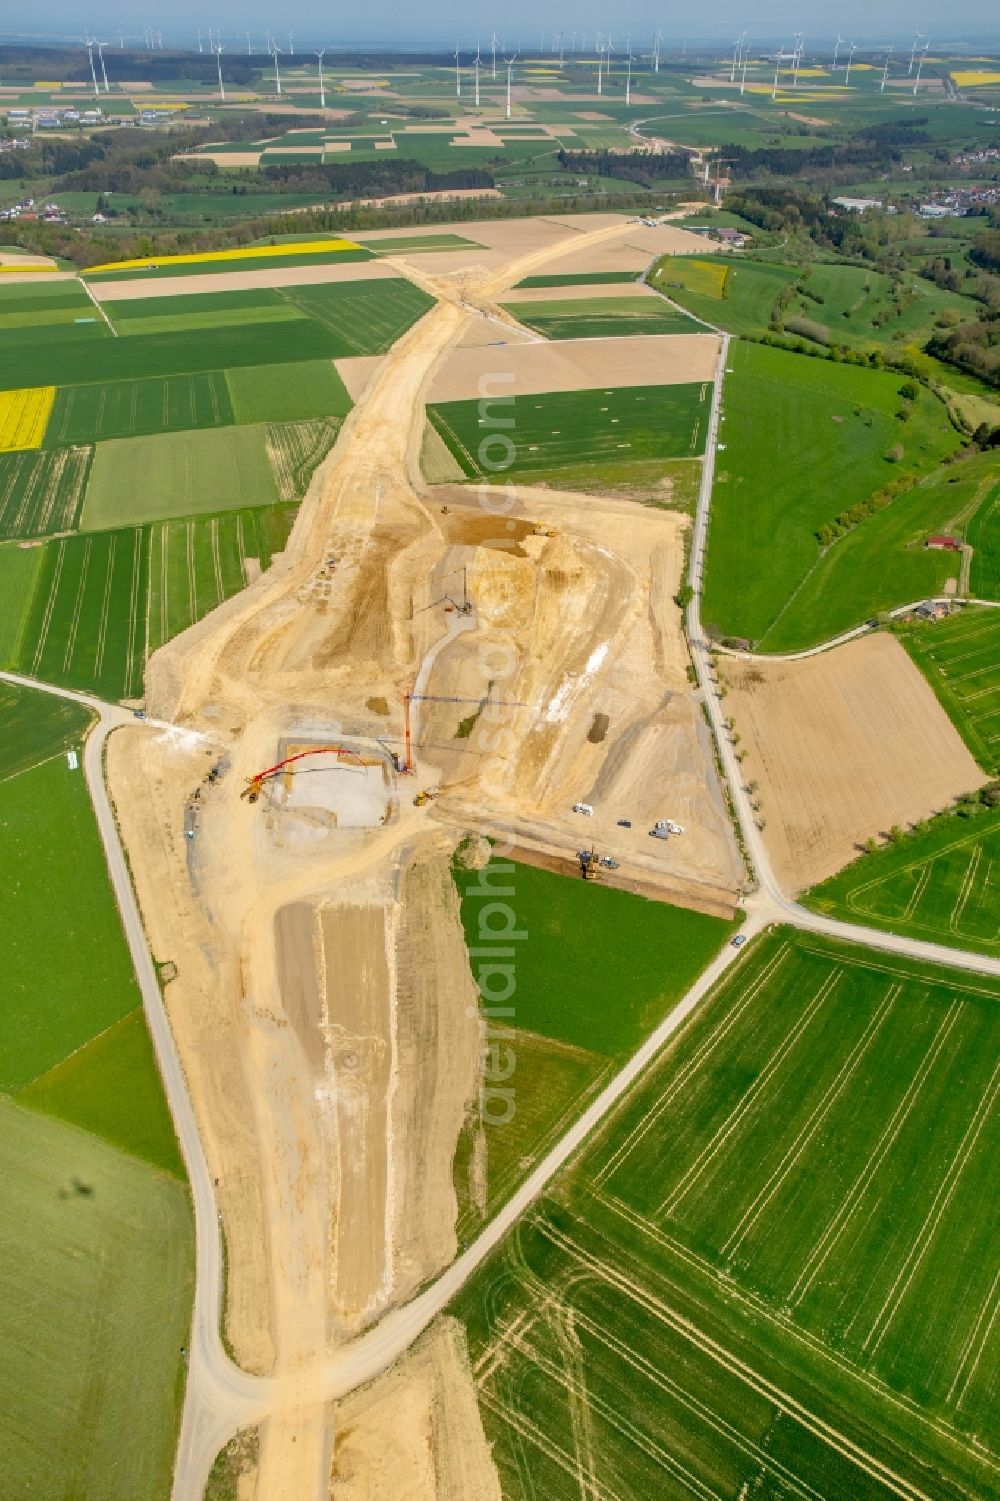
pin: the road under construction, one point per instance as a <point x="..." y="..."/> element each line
<point x="318" y="963"/>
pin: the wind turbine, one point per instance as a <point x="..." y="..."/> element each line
<point x="291" y="46"/>
<point x="510" y="64"/>
<point x="322" y="90"/>
<point x="217" y="49"/>
<point x="920" y="65"/>
<point x="777" y="68"/>
<point x="200" y="47"/>
<point x="628" y="78"/>
<point x="737" y="54"/>
<point x="885" y="70"/>
<point x="743" y="75"/>
<point x="89" y="44"/>
<point x="100" y="52"/>
<point x="797" y="59"/>
<point x="458" y="74"/>
<point x="277" y="75"/>
<point x="493" y="44"/>
<point x="600" y="59"/>
<point x="913" y="52"/>
<point x="656" y="52"/>
<point x="560" y="49"/>
<point x="609" y="47"/>
<point x="847" y="75"/>
<point x="248" y="43"/>
<point x="477" y="63"/>
<point x="836" y="51"/>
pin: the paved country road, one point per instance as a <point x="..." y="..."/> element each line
<point x="220" y="1398"/>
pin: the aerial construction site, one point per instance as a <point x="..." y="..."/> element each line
<point x="414" y="669"/>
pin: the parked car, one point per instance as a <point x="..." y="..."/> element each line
<point x="739" y="940"/>
<point x="624" y="823"/>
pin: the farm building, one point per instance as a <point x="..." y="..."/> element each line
<point x="943" y="543"/>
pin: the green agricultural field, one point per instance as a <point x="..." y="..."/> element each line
<point x="600" y="317"/>
<point x="564" y="1035"/>
<point x="177" y="474"/>
<point x="937" y="883"/>
<point x="592" y="428"/>
<point x="287" y="393"/>
<point x="57" y="903"/>
<point x="982" y="533"/>
<point x="168" y="268"/>
<point x="36" y="727"/>
<point x="293" y="451"/>
<point x="94" y="607"/>
<point x="19" y="570"/>
<point x="742" y="304"/>
<point x="68" y="362"/>
<point x="43" y="296"/>
<point x="365" y="317"/>
<point x="160" y="315"/>
<point x="130" y="408"/>
<point x="41" y="492"/>
<point x="111" y="1087"/>
<point x="407" y="244"/>
<point x="790" y="421"/>
<point x="98" y="1254"/>
<point x="773" y="1269"/>
<point x="580" y="279"/>
<point x="960" y="657"/>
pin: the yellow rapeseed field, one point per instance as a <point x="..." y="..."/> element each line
<point x="24" y="416"/>
<point x="245" y="252"/>
<point x="973" y="79"/>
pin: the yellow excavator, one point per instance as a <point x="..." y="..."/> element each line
<point x="426" y="796"/>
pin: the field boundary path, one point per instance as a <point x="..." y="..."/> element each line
<point x="220" y="1398"/>
<point x="864" y="629"/>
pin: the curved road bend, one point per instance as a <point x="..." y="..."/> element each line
<point x="220" y="1398"/>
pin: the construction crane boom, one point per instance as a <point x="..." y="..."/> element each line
<point x="252" y="789"/>
<point x="446" y="698"/>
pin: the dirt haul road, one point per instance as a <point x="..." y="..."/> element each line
<point x="323" y="1005"/>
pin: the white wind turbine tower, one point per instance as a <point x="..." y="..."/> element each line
<point x="600" y="60"/>
<point x="628" y="77"/>
<point x="277" y="75"/>
<point x="656" y="51"/>
<point x="159" y="38"/>
<point x="836" y="51"/>
<point x="477" y="63"/>
<point x="249" y="49"/>
<point x="291" y="46"/>
<point x="217" y="49"/>
<point x="200" y="47"/>
<point x="847" y="75"/>
<point x="458" y="74"/>
<point x="920" y="65"/>
<point x="797" y="59"/>
<point x="89" y="44"/>
<point x="609" y="47"/>
<point x="493" y="44"/>
<point x="737" y="54"/>
<point x="743" y="75"/>
<point x="510" y="64"/>
<point x="885" y="70"/>
<point x="777" y="68"/>
<point x="913" y="52"/>
<point x="100" y="53"/>
<point x="322" y="90"/>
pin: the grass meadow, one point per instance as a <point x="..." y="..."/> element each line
<point x="940" y="883"/>
<point x="584" y="944"/>
<point x="580" y="279"/>
<point x="36" y="727"/>
<point x="773" y="1269"/>
<point x="600" y="317"/>
<point x="960" y="657"/>
<point x="983" y="536"/>
<point x="593" y="428"/>
<point x="364" y="317"/>
<point x="740" y="301"/>
<point x="805" y="439"/>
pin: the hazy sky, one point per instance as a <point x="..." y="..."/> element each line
<point x="434" y="22"/>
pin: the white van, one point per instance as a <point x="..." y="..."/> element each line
<point x="583" y="808"/>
